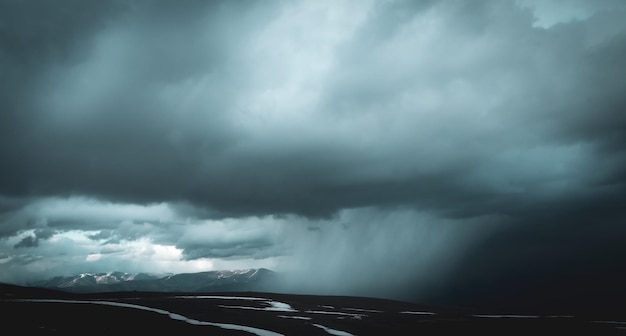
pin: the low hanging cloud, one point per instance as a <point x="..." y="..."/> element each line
<point x="33" y="240"/>
<point x="279" y="132"/>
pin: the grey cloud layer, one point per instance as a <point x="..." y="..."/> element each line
<point x="466" y="111"/>
<point x="216" y="105"/>
<point x="33" y="240"/>
<point x="109" y="224"/>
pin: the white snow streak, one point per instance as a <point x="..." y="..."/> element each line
<point x="354" y="316"/>
<point x="287" y="309"/>
<point x="364" y="310"/>
<point x="173" y="316"/>
<point x="274" y="305"/>
<point x="295" y="317"/>
<point x="417" y="312"/>
<point x="219" y="297"/>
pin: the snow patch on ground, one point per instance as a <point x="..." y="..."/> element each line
<point x="280" y="306"/>
<point x="333" y="331"/>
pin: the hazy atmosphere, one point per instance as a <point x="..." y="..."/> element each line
<point x="441" y="151"/>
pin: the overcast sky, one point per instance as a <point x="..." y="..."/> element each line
<point x="413" y="149"/>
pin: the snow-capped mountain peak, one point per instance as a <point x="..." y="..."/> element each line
<point x="224" y="280"/>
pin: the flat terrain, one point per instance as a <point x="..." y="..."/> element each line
<point x="36" y="311"/>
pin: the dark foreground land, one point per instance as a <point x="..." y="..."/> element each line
<point x="37" y="311"/>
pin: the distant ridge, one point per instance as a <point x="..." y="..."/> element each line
<point x="231" y="280"/>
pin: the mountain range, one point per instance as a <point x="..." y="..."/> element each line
<point x="211" y="281"/>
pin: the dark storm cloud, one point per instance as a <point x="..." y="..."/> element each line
<point x="255" y="238"/>
<point x="101" y="235"/>
<point x="566" y="255"/>
<point x="63" y="139"/>
<point x="34" y="239"/>
<point x="169" y="103"/>
<point x="30" y="241"/>
<point x="34" y="36"/>
<point x="246" y="248"/>
<point x="505" y="112"/>
<point x="66" y="214"/>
